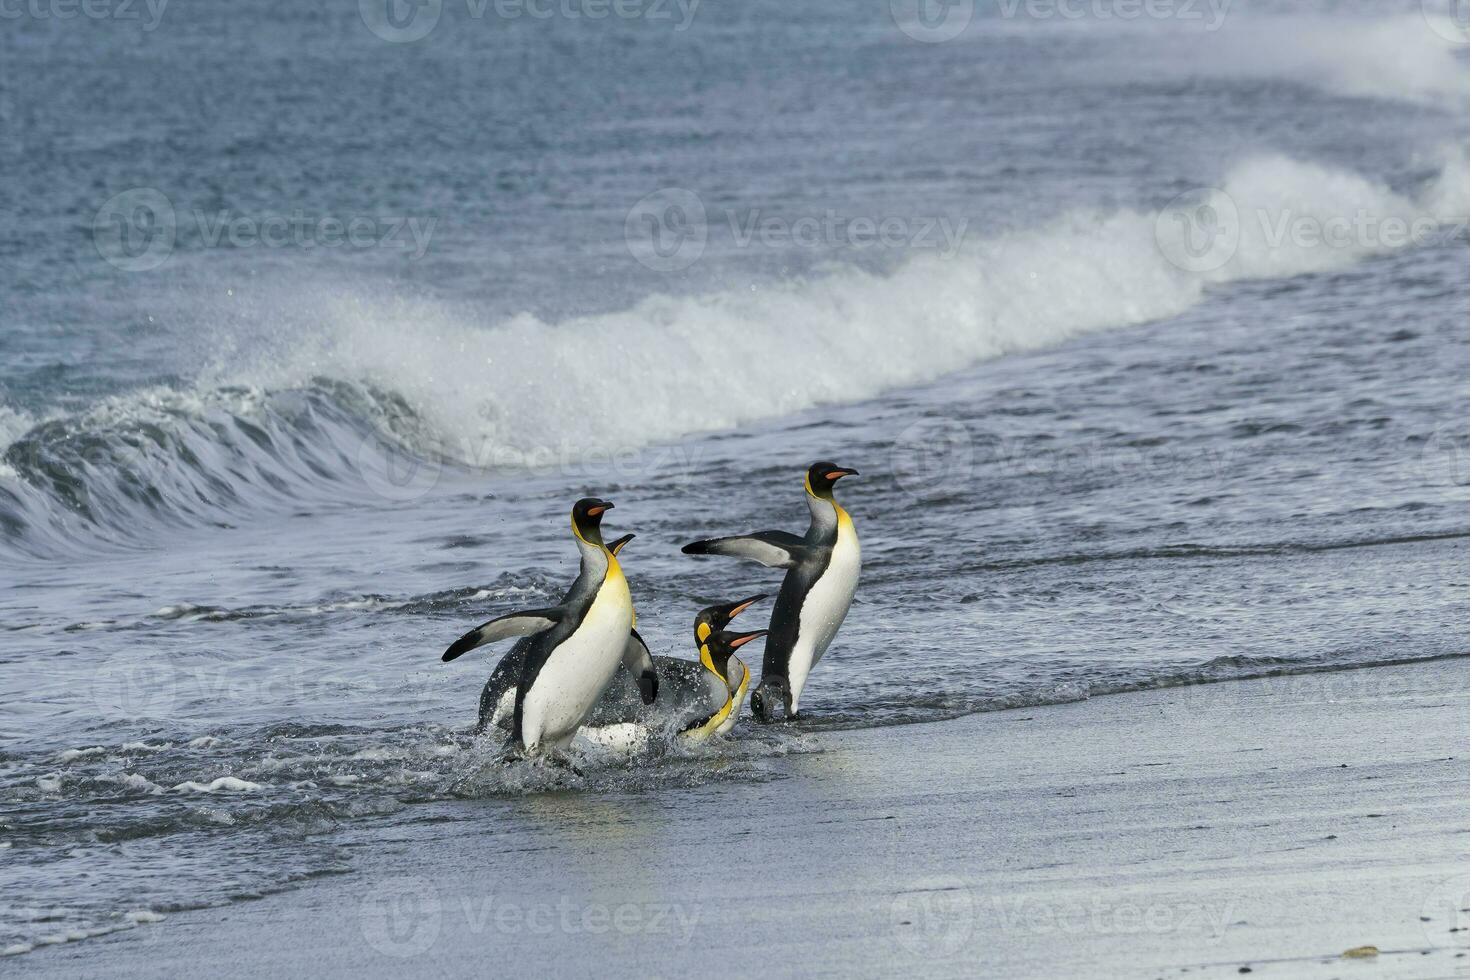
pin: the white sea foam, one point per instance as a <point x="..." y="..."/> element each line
<point x="526" y="390"/>
<point x="13" y="424"/>
<point x="143" y="784"/>
<point x="224" y="784"/>
<point x="128" y="920"/>
<point x="620" y="738"/>
<point x="145" y="747"/>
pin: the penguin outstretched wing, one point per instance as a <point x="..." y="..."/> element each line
<point x="774" y="549"/>
<point x="640" y="664"/>
<point x="523" y="623"/>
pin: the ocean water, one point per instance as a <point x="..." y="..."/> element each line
<point x="1146" y="333"/>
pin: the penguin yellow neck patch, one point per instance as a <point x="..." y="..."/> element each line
<point x="708" y="661"/>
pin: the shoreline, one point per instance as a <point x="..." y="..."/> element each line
<point x="1270" y="824"/>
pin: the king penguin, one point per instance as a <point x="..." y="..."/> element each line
<point x="821" y="577"/>
<point x="728" y="677"/>
<point x="638" y="681"/>
<point x="571" y="650"/>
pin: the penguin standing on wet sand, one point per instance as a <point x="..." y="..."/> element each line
<point x="821" y="576"/>
<point x="574" y="647"/>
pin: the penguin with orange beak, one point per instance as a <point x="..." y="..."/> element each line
<point x="732" y="680"/>
<point x="570" y="651"/>
<point x="822" y="570"/>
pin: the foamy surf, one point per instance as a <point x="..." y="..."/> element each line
<point x="529" y="392"/>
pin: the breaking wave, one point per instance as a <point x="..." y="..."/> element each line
<point x="354" y="375"/>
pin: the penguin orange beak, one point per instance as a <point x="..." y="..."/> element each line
<point x="743" y="605"/>
<point x="745" y="638"/>
<point x="839" y="473"/>
<point x="600" y="509"/>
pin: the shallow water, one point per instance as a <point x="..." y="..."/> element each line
<point x="247" y="496"/>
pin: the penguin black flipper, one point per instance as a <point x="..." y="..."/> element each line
<point x="774" y="549"/>
<point x="640" y="664"/>
<point x="503" y="679"/>
<point x="523" y="623"/>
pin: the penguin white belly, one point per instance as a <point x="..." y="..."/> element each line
<point x="825" y="607"/>
<point x="577" y="672"/>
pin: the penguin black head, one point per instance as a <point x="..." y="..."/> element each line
<point x="715" y="618"/>
<point x="587" y="518"/>
<point x="822" y="476"/>
<point x="715" y="652"/>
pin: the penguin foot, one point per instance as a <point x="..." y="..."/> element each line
<point x="771" y="701"/>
